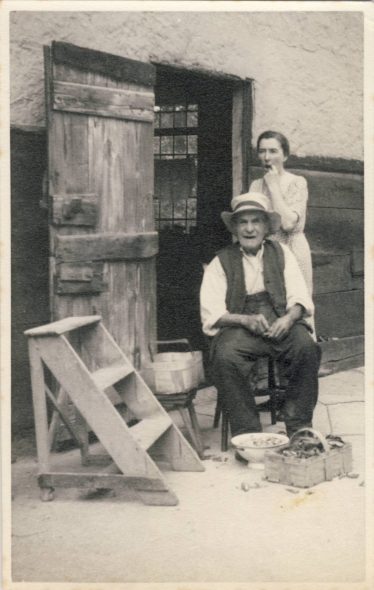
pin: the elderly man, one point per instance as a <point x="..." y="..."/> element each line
<point x="254" y="302"/>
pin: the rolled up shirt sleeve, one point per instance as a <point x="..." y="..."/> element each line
<point x="296" y="288"/>
<point x="213" y="296"/>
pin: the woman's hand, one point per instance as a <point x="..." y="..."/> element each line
<point x="289" y="218"/>
<point x="272" y="177"/>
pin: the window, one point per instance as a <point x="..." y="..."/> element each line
<point x="176" y="161"/>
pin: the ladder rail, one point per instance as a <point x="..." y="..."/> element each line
<point x="63" y="416"/>
<point x="40" y="406"/>
<point x="100" y="346"/>
<point x="95" y="407"/>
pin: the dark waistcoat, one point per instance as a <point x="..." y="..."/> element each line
<point x="273" y="261"/>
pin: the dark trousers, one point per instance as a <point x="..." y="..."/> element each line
<point x="234" y="351"/>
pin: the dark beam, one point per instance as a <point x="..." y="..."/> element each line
<point x="113" y="66"/>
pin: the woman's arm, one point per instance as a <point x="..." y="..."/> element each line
<point x="289" y="215"/>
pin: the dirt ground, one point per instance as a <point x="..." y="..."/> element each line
<point x="219" y="532"/>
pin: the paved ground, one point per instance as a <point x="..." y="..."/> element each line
<point x="218" y="532"/>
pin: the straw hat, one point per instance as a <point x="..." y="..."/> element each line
<point x="251" y="202"/>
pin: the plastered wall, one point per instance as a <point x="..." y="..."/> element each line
<point x="307" y="67"/>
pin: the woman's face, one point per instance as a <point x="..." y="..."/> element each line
<point x="271" y="153"/>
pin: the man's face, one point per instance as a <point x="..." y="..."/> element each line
<point x="251" y="229"/>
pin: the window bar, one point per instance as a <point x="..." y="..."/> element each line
<point x="172" y="132"/>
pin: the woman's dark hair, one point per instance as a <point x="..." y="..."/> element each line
<point x="279" y="137"/>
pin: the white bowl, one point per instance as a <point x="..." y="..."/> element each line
<point x="252" y="446"/>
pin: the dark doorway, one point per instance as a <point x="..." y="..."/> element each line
<point x="193" y="183"/>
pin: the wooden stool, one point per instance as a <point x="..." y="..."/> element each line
<point x="183" y="402"/>
<point x="276" y="396"/>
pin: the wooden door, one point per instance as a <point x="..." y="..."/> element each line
<point x="100" y="112"/>
<point x="220" y="121"/>
<point x="241" y="136"/>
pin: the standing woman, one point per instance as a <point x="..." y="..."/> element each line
<point x="288" y="194"/>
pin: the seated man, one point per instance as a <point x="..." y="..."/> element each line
<point x="253" y="302"/>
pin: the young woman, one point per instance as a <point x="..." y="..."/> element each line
<point x="289" y="194"/>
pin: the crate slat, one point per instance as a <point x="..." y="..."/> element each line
<point x="305" y="473"/>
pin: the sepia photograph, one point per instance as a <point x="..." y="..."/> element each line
<point x="187" y="282"/>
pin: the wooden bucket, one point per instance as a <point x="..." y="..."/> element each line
<point x="174" y="372"/>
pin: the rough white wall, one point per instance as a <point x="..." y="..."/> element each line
<point x="307" y="67"/>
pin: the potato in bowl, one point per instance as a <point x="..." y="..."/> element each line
<point x="252" y="446"/>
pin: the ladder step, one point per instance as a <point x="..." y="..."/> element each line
<point x="146" y="432"/>
<point x="110" y="375"/>
<point x="62" y="326"/>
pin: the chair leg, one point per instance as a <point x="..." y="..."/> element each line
<point x="199" y="445"/>
<point x="272" y="390"/>
<point x="218" y="411"/>
<point x="271" y="372"/>
<point x="225" y="432"/>
<point x="186" y="417"/>
<point x="273" y="408"/>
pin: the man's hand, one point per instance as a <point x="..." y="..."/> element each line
<point x="280" y="328"/>
<point x="256" y="323"/>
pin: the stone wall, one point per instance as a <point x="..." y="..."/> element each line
<point x="307" y="66"/>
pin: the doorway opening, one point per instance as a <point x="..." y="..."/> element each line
<point x="193" y="184"/>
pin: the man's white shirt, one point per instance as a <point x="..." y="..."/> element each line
<point x="214" y="286"/>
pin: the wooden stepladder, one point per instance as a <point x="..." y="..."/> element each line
<point x="88" y="364"/>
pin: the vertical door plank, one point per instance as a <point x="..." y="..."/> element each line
<point x="241" y="137"/>
<point x="237" y="160"/>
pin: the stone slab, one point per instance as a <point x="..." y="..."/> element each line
<point x="347" y="418"/>
<point x="347" y="386"/>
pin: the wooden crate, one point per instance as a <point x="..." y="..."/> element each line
<point x="307" y="472"/>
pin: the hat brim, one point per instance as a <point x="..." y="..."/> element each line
<point x="273" y="218"/>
